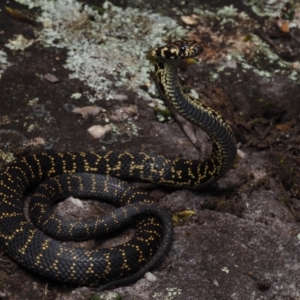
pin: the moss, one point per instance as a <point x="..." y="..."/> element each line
<point x="98" y="9"/>
<point x="164" y="112"/>
<point x="260" y="121"/>
<point x="182" y="215"/>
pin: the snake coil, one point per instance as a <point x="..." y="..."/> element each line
<point x="128" y="262"/>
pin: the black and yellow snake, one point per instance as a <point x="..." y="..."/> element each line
<point x="128" y="262"/>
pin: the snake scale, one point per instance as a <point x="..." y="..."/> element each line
<point x="125" y="263"/>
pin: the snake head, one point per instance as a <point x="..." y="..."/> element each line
<point x="177" y="49"/>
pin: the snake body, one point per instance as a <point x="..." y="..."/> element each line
<point x="133" y="204"/>
<point x="128" y="262"/>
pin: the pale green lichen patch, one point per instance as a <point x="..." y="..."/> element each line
<point x="227" y="13"/>
<point x="9" y="141"/>
<point x="170" y="294"/>
<point x="240" y="47"/>
<point x="4" y="64"/>
<point x="33" y="101"/>
<point x="225" y="269"/>
<point x="76" y="96"/>
<point x="265" y="62"/>
<point x="106" y="49"/>
<point x="19" y="42"/>
<point x="120" y="132"/>
<point x="269" y="8"/>
<point x="106" y="296"/>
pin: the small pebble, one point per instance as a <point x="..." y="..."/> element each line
<point x="150" y="277"/>
<point x="87" y="111"/>
<point x="120" y="97"/>
<point x="77" y="202"/>
<point x="97" y="131"/>
<point x="189" y="20"/>
<point x="241" y="153"/>
<point x="51" y="78"/>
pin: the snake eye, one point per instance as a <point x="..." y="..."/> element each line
<point x="183" y="48"/>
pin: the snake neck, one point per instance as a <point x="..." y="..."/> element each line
<point x="223" y="141"/>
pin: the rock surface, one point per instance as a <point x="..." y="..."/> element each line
<point x="243" y="240"/>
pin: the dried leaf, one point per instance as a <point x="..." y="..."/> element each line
<point x="283" y="126"/>
<point x="22" y="15"/>
<point x="285" y="27"/>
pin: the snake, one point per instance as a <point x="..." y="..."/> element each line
<point x="125" y="263"/>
